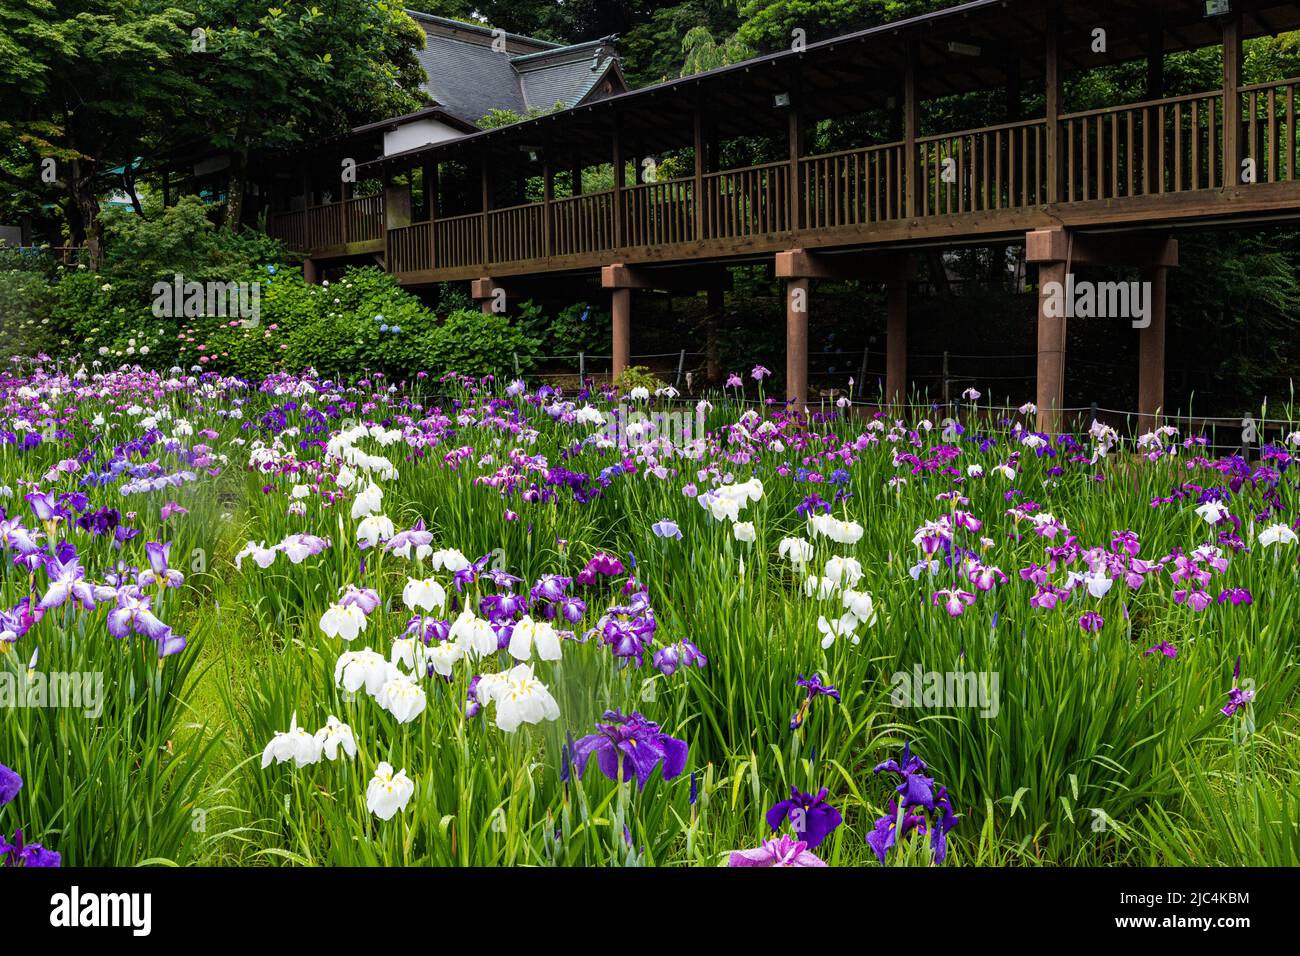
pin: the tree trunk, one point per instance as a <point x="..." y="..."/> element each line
<point x="235" y="190"/>
<point x="81" y="184"/>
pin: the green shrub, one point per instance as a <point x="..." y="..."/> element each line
<point x="25" y="314"/>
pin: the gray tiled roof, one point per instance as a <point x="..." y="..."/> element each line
<point x="469" y="79"/>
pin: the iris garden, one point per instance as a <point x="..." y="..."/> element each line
<point x="451" y="621"/>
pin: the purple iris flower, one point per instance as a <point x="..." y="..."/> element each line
<point x="10" y="784"/>
<point x="31" y="855"/>
<point x="45" y="507"/>
<point x="551" y="587"/>
<point x="103" y="521"/>
<point x="134" y="612"/>
<point x="916" y="789"/>
<point x="159" y="572"/>
<point x="887" y="830"/>
<point x="1091" y="622"/>
<point x="682" y="654"/>
<point x="1238" y="697"/>
<point x="67" y="579"/>
<point x="365" y="598"/>
<point x="815" y="689"/>
<point x="666" y="529"/>
<point x="779" y="852"/>
<point x="502" y="607"/>
<point x="632" y="746"/>
<point x="1165" y="648"/>
<point x="472" y="704"/>
<point x="601" y="563"/>
<point x="811" y="816"/>
<point x="1236" y="596"/>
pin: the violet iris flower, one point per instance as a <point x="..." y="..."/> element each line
<point x="10" y="784"/>
<point x="1238" y="697"/>
<point x="811" y="816"/>
<point x="26" y="855"/>
<point x="67" y="580"/>
<point x="682" y="654"/>
<point x="135" y="613"/>
<point x="159" y="572"/>
<point x="815" y="689"/>
<point x="631" y="746"/>
<point x="916" y="790"/>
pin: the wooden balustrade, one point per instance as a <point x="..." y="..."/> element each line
<point x="363" y="219"/>
<point x="289" y="228"/>
<point x="583" y="224"/>
<point x="1169" y="146"/>
<point x="407" y="248"/>
<point x="752" y="201"/>
<point x="515" y="233"/>
<point x="659" y="214"/>
<point x="853" y="187"/>
<point x="458" y="241"/>
<point x="1163" y="146"/>
<point x="1271" y="138"/>
<point x="998" y="167"/>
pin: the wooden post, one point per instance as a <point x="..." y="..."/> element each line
<point x="1151" y="349"/>
<point x="1051" y="350"/>
<point x="619" y="172"/>
<point x="796" y="341"/>
<point x="1153" y="135"/>
<point x="716" y="302"/>
<point x="487" y="204"/>
<point x="911" y="172"/>
<point x="548" y="198"/>
<point x="1052" y="91"/>
<point x="397" y="204"/>
<point x="795" y="135"/>
<point x="621" y="356"/>
<point x="310" y="274"/>
<point x="896" y="343"/>
<point x="431" y="184"/>
<point x="699" y="175"/>
<point x="1233" y="153"/>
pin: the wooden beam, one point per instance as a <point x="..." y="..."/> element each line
<point x="690" y="278"/>
<point x="1140" y="250"/>
<point x="866" y="266"/>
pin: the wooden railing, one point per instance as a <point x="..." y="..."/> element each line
<point x="407" y="248"/>
<point x="659" y="214"/>
<point x="583" y="224"/>
<point x="753" y="201"/>
<point x="330" y="225"/>
<point x="1272" y="140"/>
<point x="853" y="187"/>
<point x="1170" y="146"/>
<point x="290" y="228"/>
<point x="998" y="167"/>
<point x="515" y="233"/>
<point x="458" y="241"/>
<point x="363" y="218"/>
<point x="1163" y="146"/>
